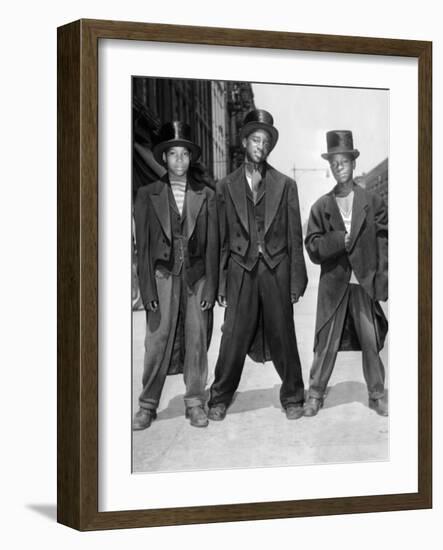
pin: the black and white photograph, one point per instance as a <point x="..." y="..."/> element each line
<point x="203" y="205"/>
<point x="259" y="269"/>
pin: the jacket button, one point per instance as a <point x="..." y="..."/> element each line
<point x="238" y="248"/>
<point x="165" y="255"/>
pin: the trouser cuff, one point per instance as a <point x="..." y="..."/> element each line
<point x="148" y="405"/>
<point x="376" y="395"/>
<point x="194" y="402"/>
<point x="287" y="402"/>
<point x="316" y="394"/>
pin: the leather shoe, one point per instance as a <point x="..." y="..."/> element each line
<point x="217" y="412"/>
<point x="197" y="416"/>
<point x="143" y="419"/>
<point x="294" y="412"/>
<point x="312" y="406"/>
<point x="379" y="406"/>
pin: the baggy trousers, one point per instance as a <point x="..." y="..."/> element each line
<point x="249" y="294"/>
<point x="161" y="331"/>
<point x="359" y="305"/>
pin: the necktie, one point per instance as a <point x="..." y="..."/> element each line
<point x="256" y="178"/>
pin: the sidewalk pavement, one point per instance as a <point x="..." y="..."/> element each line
<point x="255" y="432"/>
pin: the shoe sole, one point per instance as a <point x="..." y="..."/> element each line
<point x="199" y="425"/>
<point x="194" y="424"/>
<point x="140" y="428"/>
<point x="311" y="412"/>
<point x="373" y="408"/>
<point x="298" y="415"/>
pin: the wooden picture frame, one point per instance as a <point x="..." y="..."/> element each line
<point x="77" y="228"/>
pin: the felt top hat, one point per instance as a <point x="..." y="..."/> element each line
<point x="259" y="119"/>
<point x="175" y="134"/>
<point x="340" y="141"/>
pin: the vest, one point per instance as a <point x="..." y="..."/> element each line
<point x="256" y="221"/>
<point x="179" y="244"/>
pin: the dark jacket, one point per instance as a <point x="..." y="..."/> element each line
<point x="367" y="255"/>
<point x="282" y="235"/>
<point x="282" y="226"/>
<point x="154" y="238"/>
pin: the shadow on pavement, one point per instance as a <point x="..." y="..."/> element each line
<point x="252" y="400"/>
<point x="347" y="392"/>
<point x="174" y="409"/>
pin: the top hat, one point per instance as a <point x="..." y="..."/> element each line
<point x="340" y="141"/>
<point x="175" y="134"/>
<point x="259" y="119"/>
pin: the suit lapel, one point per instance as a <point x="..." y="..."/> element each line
<point x="193" y="203"/>
<point x="249" y="195"/>
<point x="333" y="213"/>
<point x="185" y="208"/>
<point x="237" y="190"/>
<point x="160" y="203"/>
<point x="172" y="202"/>
<point x="359" y="211"/>
<point x="274" y="191"/>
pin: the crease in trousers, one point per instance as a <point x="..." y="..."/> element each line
<point x="261" y="291"/>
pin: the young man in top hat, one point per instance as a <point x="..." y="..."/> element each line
<point x="348" y="236"/>
<point x="177" y="246"/>
<point x="262" y="269"/>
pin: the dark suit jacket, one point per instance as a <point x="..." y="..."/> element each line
<point x="282" y="235"/>
<point x="367" y="255"/>
<point x="282" y="228"/>
<point x="154" y="236"/>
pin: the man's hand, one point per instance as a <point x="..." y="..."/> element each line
<point x="204" y="305"/>
<point x="347" y="240"/>
<point x="294" y="298"/>
<point x="153" y="306"/>
<point x="222" y="301"/>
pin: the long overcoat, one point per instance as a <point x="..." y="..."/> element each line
<point x="282" y="234"/>
<point x="367" y="257"/>
<point x="152" y="214"/>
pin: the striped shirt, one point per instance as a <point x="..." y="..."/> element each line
<point x="178" y="189"/>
